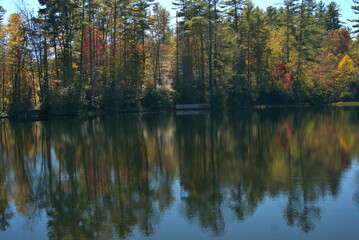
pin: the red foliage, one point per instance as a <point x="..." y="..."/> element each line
<point x="97" y="45"/>
<point x="282" y="77"/>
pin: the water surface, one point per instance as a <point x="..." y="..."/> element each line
<point x="266" y="174"/>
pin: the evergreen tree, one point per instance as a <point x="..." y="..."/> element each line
<point x="355" y="8"/>
<point x="333" y="17"/>
<point x="291" y="10"/>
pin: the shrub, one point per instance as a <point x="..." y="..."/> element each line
<point x="219" y="98"/>
<point x="160" y="97"/>
<point x="111" y="99"/>
<point x="61" y="101"/>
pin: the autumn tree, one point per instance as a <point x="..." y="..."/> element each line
<point x="338" y="42"/>
<point x="346" y="81"/>
<point x="160" y="33"/>
<point x="283" y="78"/>
<point x="122" y="54"/>
<point x="17" y="47"/>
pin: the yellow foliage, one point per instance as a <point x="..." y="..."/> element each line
<point x="16" y="35"/>
<point x="346" y="66"/>
<point x="277" y="44"/>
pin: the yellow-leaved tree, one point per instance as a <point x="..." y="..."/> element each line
<point x="18" y="59"/>
<point x="345" y="78"/>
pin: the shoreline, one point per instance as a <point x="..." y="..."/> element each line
<point x="38" y="115"/>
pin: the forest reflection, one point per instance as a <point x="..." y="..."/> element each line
<point x="105" y="177"/>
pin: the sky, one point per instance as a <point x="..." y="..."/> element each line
<point x="346" y="11"/>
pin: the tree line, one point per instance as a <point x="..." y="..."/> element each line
<point x="112" y="55"/>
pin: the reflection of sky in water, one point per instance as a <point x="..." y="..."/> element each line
<point x="23" y="228"/>
<point x="266" y="223"/>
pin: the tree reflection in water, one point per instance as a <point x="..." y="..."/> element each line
<point x="104" y="178"/>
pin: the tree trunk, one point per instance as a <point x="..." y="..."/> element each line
<point x="82" y="45"/>
<point x="210" y="29"/>
<point x="113" y="62"/>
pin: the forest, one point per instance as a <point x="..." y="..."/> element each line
<point x="74" y="56"/>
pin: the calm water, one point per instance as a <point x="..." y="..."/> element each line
<point x="269" y="174"/>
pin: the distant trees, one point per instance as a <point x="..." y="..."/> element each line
<point x="124" y="54"/>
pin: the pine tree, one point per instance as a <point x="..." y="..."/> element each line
<point x="291" y="10"/>
<point x="233" y="10"/>
<point x="333" y="17"/>
<point x="355" y="8"/>
<point x="248" y="15"/>
<point x="159" y="30"/>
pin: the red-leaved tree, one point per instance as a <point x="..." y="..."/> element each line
<point x="97" y="48"/>
<point x="282" y="77"/>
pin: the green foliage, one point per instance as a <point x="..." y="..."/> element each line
<point x="123" y="55"/>
<point x="61" y="101"/>
<point x="355" y="8"/>
<point x="131" y="98"/>
<point x="219" y="98"/>
<point x="157" y="98"/>
<point x="240" y="96"/>
<point x="333" y="14"/>
<point x="111" y="99"/>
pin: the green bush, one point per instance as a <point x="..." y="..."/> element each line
<point x="22" y="103"/>
<point x="219" y="98"/>
<point x="131" y="98"/>
<point x="61" y="101"/>
<point x="111" y="99"/>
<point x="160" y="97"/>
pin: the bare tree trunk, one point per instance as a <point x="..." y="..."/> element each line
<point x="91" y="55"/>
<point x="248" y="57"/>
<point x="82" y="45"/>
<point x="56" y="63"/>
<point x="113" y="62"/>
<point x="46" y="70"/>
<point x="3" y="79"/>
<point x="33" y="83"/>
<point x="157" y="64"/>
<point x="177" y="49"/>
<point x="210" y="28"/>
<point x="202" y="66"/>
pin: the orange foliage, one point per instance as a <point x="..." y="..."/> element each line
<point x="338" y="41"/>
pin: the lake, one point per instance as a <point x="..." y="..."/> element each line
<point x="248" y="174"/>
